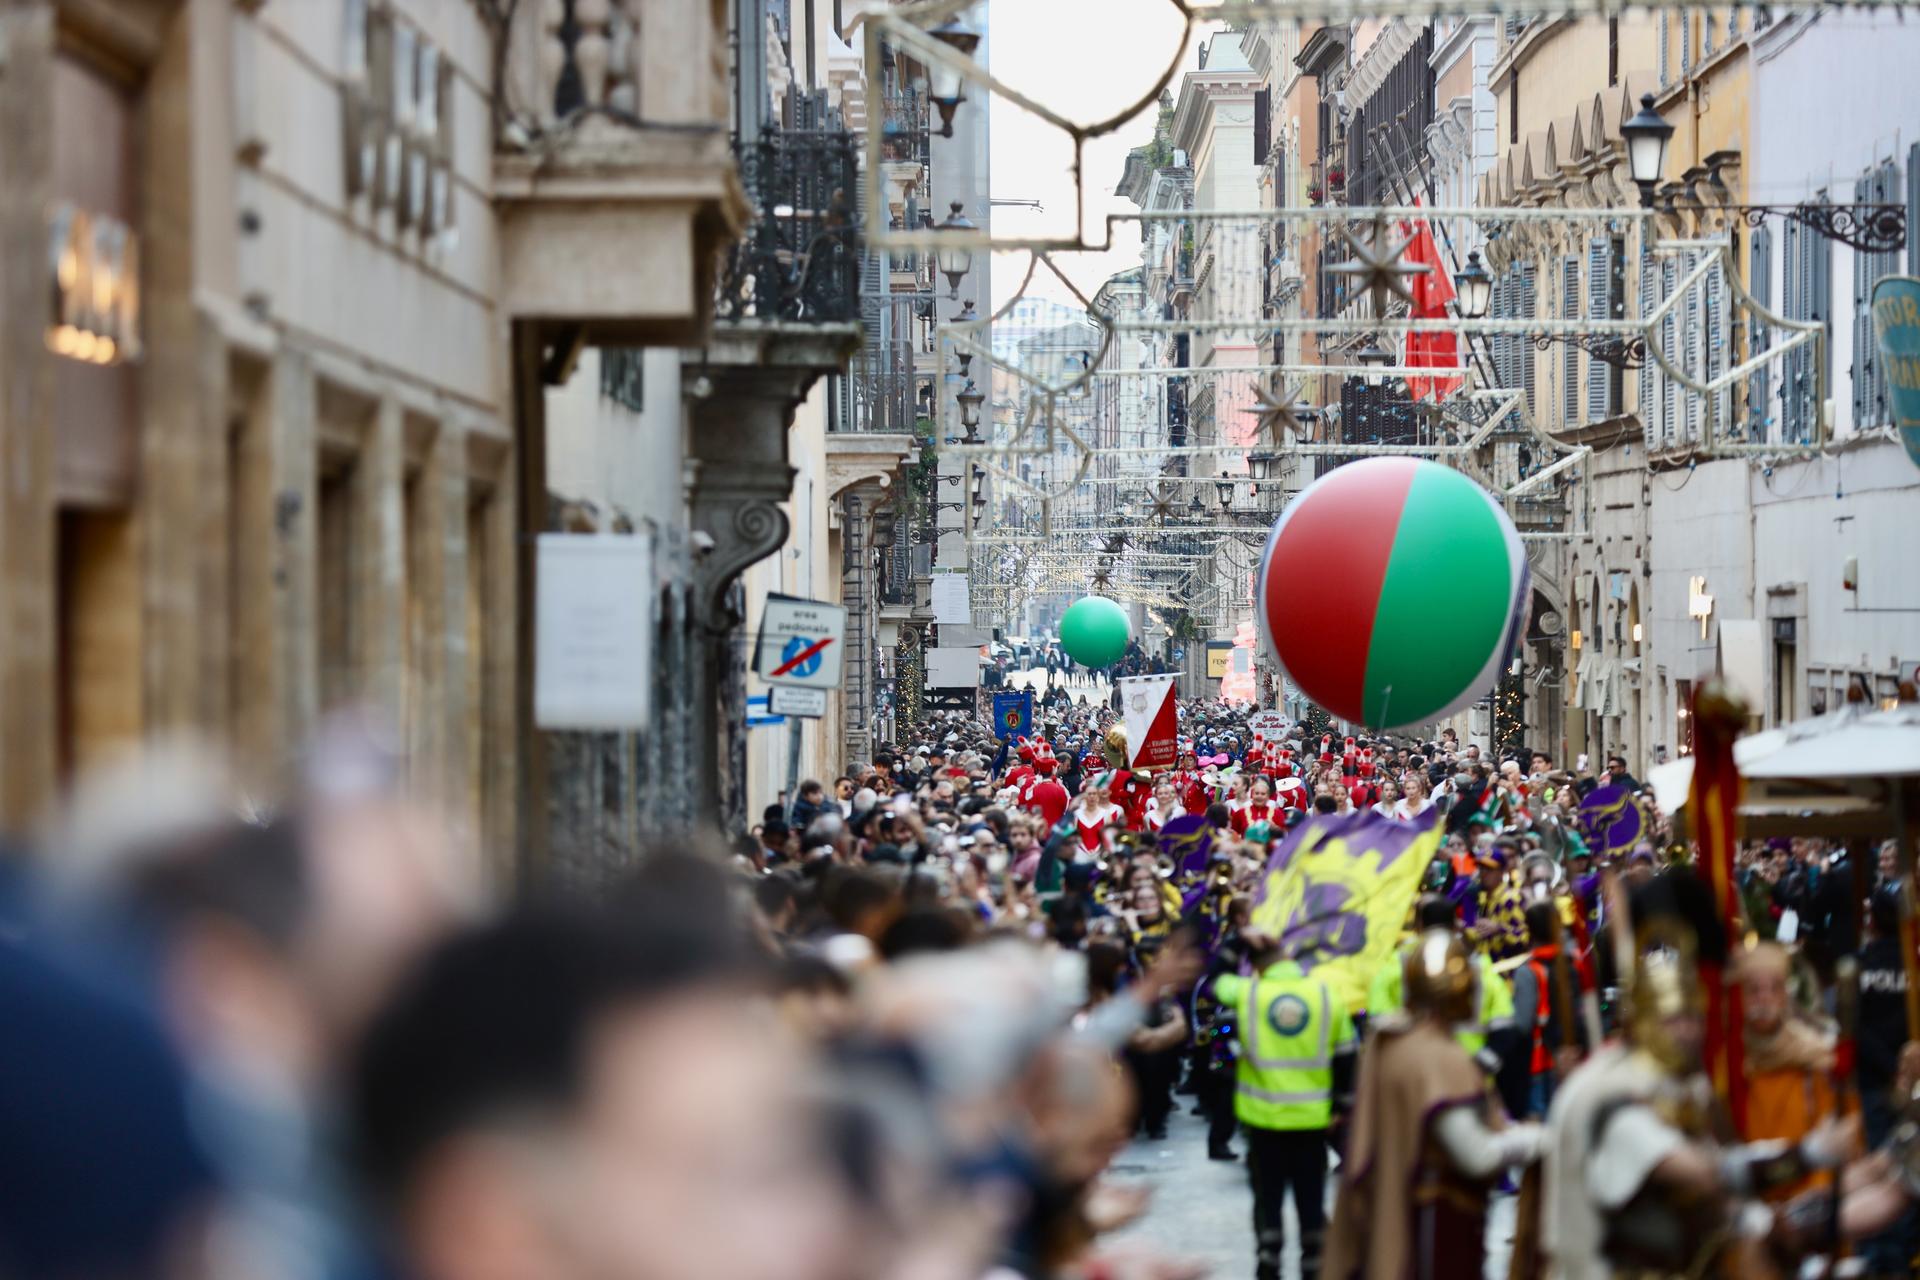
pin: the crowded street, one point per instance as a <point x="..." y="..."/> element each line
<point x="959" y="640"/>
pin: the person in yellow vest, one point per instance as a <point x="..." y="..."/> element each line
<point x="1294" y="1076"/>
<point x="1493" y="1017"/>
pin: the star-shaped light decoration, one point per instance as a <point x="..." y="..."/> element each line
<point x="1162" y="503"/>
<point x="1102" y="579"/>
<point x="1276" y="411"/>
<point x="1377" y="267"/>
<point x="1115" y="545"/>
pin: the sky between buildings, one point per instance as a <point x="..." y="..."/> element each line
<point x="1086" y="60"/>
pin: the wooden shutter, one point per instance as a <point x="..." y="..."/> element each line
<point x="1569" y="354"/>
<point x="1670" y="344"/>
<point x="1262" y="125"/>
<point x="1690" y="358"/>
<point x="1650" y="373"/>
<point x="1599" y="307"/>
<point x="1529" y="300"/>
<point x="1760" y="409"/>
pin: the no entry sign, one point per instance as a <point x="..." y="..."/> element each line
<point x="800" y="643"/>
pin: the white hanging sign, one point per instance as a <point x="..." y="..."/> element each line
<point x="593" y="631"/>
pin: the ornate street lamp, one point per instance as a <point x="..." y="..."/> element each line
<point x="1259" y="466"/>
<point x="956" y="260"/>
<point x="947" y="91"/>
<point x="1647" y="135"/>
<point x="1374" y="358"/>
<point x="970" y="399"/>
<point x="1473" y="287"/>
<point x="1225" y="484"/>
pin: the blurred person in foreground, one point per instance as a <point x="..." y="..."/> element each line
<point x="561" y="1094"/>
<point x="270" y="945"/>
<point x="1428" y="1136"/>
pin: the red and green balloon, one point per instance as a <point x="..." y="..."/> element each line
<point x="1390" y="591"/>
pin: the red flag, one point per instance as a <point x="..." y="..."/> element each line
<point x="1718" y="718"/>
<point x="1431" y="291"/>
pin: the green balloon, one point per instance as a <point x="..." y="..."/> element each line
<point x="1094" y="631"/>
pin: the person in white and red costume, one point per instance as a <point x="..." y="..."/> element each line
<point x="1093" y="811"/>
<point x="1258" y="806"/>
<point x="1021" y="774"/>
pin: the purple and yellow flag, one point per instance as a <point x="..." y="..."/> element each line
<point x="1337" y="891"/>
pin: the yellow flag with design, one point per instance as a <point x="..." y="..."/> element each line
<point x="1337" y="891"/>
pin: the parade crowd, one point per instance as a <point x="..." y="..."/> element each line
<point x="903" y="1028"/>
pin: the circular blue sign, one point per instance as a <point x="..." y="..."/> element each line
<point x="794" y="647"/>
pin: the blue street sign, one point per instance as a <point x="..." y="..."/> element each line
<point x="759" y="703"/>
<point x="1179" y="654"/>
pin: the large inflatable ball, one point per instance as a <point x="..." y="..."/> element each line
<point x="1390" y="591"/>
<point x="1094" y="631"/>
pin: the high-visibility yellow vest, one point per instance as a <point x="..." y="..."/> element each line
<point x="1496" y="999"/>
<point x="1290" y="1030"/>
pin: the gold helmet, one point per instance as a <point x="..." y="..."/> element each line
<point x="1440" y="978"/>
<point x="1114" y="748"/>
<point x="1664" y="996"/>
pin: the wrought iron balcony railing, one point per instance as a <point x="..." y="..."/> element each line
<point x="800" y="259"/>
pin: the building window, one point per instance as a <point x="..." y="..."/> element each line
<point x="623" y="376"/>
<point x="1613" y="51"/>
<point x="1683" y="716"/>
<point x="1786" y="654"/>
<point x="1513" y="109"/>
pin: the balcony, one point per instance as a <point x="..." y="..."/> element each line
<point x="615" y="184"/>
<point x="799" y="260"/>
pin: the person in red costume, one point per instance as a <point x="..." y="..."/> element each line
<point x="1257" y="808"/>
<point x="1021" y="775"/>
<point x="1131" y="790"/>
<point x="1044" y="794"/>
<point x="1291" y="793"/>
<point x="1094" y="810"/>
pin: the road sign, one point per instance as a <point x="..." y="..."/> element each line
<point x="786" y="700"/>
<point x="1179" y="654"/>
<point x="757" y="713"/>
<point x="800" y="643"/>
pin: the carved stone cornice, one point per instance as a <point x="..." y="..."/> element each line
<point x="743" y="388"/>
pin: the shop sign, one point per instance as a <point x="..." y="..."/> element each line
<point x="94" y="264"/>
<point x="1699" y="603"/>
<point x="1896" y="324"/>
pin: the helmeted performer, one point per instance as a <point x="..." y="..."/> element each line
<point x="1428" y="1137"/>
<point x="1643" y="1176"/>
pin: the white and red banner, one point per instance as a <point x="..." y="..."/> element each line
<point x="1152" y="720"/>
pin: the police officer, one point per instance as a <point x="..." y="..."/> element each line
<point x="1295" y="1073"/>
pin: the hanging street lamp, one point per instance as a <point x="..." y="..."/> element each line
<point x="1473" y="288"/>
<point x="956" y="260"/>
<point x="1375" y="358"/>
<point x="1647" y="135"/>
<point x="947" y="91"/>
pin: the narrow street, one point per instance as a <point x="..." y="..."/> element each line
<point x="1203" y="1210"/>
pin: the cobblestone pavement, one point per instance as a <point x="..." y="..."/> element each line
<point x="1203" y="1209"/>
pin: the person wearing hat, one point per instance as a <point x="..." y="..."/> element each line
<point x="1500" y="915"/>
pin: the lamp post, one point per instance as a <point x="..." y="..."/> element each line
<point x="1647" y="135"/>
<point x="947" y="89"/>
<point x="954" y="261"/>
<point x="970" y="399"/>
<point x="1473" y="288"/>
<point x="1374" y="358"/>
<point x="1259" y="466"/>
<point x="1225" y="485"/>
